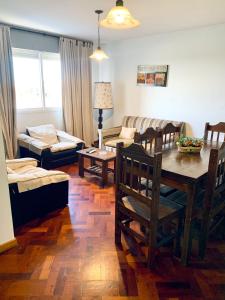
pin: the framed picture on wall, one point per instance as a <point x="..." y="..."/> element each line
<point x="141" y="78"/>
<point x="152" y="75"/>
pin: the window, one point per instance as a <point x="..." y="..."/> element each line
<point x="37" y="79"/>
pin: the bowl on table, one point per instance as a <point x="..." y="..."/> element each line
<point x="187" y="144"/>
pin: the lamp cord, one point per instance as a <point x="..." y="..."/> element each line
<point x="98" y="31"/>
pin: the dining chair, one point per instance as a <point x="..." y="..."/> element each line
<point x="170" y="135"/>
<point x="214" y="133"/>
<point x="214" y="200"/>
<point x="151" y="139"/>
<point x="148" y="208"/>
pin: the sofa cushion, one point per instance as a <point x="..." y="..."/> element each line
<point x="127" y="133"/>
<point x="113" y="142"/>
<point x="45" y="133"/>
<point x="62" y="146"/>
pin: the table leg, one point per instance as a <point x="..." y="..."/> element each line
<point x="191" y="194"/>
<point x="81" y="165"/>
<point x="93" y="162"/>
<point x="114" y="174"/>
<point x="104" y="173"/>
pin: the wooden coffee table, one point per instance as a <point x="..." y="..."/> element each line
<point x="101" y="170"/>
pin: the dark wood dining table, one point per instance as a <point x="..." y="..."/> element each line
<point x="186" y="172"/>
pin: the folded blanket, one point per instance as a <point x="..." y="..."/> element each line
<point x="30" y="177"/>
<point x="14" y="164"/>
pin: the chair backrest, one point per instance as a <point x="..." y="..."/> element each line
<point x="134" y="163"/>
<point x="151" y="139"/>
<point x="216" y="177"/>
<point x="217" y="132"/>
<point x="170" y="135"/>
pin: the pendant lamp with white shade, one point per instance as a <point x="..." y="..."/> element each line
<point x="119" y="17"/>
<point x="99" y="54"/>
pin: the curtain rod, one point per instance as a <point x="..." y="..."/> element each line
<point x="28" y="29"/>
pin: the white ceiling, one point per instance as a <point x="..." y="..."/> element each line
<point x="76" y="17"/>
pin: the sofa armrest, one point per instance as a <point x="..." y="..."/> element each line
<point x="32" y="144"/>
<point x="111" y="132"/>
<point x="24" y="140"/>
<point x="14" y="164"/>
<point x="66" y="137"/>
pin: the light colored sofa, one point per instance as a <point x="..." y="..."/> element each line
<point x="111" y="135"/>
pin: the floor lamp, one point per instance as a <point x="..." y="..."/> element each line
<point x="103" y="100"/>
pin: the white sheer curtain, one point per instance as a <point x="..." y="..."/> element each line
<point x="76" y="88"/>
<point x="7" y="93"/>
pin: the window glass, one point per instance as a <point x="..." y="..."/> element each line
<point x="37" y="79"/>
<point x="52" y="80"/>
<point x="27" y="81"/>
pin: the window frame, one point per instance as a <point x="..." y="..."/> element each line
<point x="39" y="55"/>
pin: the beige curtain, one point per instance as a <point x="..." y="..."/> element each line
<point x="76" y="88"/>
<point x="7" y="93"/>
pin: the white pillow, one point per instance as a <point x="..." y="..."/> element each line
<point x="127" y="133"/>
<point x="45" y="133"/>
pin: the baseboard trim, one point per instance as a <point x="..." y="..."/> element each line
<point x="8" y="245"/>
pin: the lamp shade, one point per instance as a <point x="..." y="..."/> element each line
<point x="103" y="95"/>
<point x="99" y="54"/>
<point x="119" y="17"/>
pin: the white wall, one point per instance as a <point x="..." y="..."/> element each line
<point x="196" y="83"/>
<point x="39" y="117"/>
<point x="6" y="227"/>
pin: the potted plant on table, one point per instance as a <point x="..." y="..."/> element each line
<point x="189" y="144"/>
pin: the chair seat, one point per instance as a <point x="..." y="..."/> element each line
<point x="166" y="207"/>
<point x="164" y="189"/>
<point x="181" y="198"/>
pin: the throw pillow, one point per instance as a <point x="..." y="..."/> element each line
<point x="45" y="133"/>
<point x="127" y="133"/>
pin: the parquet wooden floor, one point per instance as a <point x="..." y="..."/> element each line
<point x="70" y="254"/>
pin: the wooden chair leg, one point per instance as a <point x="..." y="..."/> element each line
<point x="152" y="250"/>
<point x="151" y="257"/>
<point x="203" y="237"/>
<point x="117" y="228"/>
<point x="177" y="241"/>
